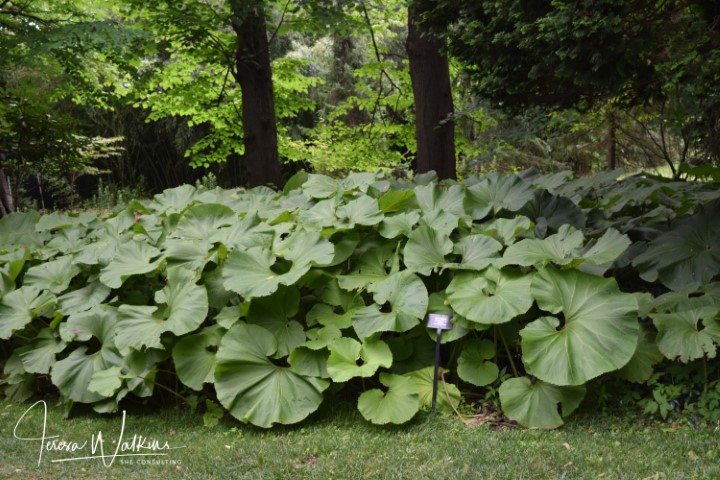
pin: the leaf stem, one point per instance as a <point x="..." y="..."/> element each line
<point x="507" y="350"/>
<point x="169" y="390"/>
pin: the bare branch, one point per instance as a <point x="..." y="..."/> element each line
<point x="280" y="23"/>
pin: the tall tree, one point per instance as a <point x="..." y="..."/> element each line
<point x="430" y="75"/>
<point x="253" y="73"/>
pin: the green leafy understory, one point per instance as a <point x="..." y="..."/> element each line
<point x="269" y="302"/>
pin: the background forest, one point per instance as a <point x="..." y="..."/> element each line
<point x="124" y="96"/>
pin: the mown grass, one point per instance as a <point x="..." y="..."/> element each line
<point x="338" y="444"/>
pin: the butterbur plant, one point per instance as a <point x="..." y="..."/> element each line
<point x="266" y="299"/>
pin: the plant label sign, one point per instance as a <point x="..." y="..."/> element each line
<point x="439" y="321"/>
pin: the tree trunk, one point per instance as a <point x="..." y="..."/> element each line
<point x="254" y="74"/>
<point x="430" y="76"/>
<point x="7" y="205"/>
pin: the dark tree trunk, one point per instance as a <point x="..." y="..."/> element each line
<point x="254" y="74"/>
<point x="7" y="205"/>
<point x="430" y="76"/>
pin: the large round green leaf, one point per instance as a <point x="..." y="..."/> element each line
<point x="492" y="296"/>
<point x="309" y="361"/>
<point x="560" y="249"/>
<point x="477" y="251"/>
<point x="203" y="222"/>
<point x="440" y="221"/>
<point x="275" y="313"/>
<point x="54" y="275"/>
<point x="250" y="273"/>
<point x="433" y="198"/>
<point x="506" y="230"/>
<point x="497" y="192"/>
<point x="688" y="334"/>
<point x="425" y="250"/>
<point x="19" y="229"/>
<point x="321" y="186"/>
<point x="174" y="200"/>
<point x="397" y="201"/>
<point x="605" y="249"/>
<point x="186" y="306"/>
<point x="688" y="253"/>
<point x="187" y="253"/>
<point x="398" y="405"/>
<point x="249" y="232"/>
<point x="400" y="224"/>
<point x="19" y="307"/>
<point x="553" y="211"/>
<point x="361" y="211"/>
<point x="349" y="358"/>
<point x="369" y="268"/>
<point x="474" y="365"/>
<point x="325" y="315"/>
<point x="83" y="298"/>
<point x="320" y="215"/>
<point x="73" y="374"/>
<point x="39" y="355"/>
<point x="255" y="390"/>
<point x="408" y="300"/>
<point x="595" y="332"/>
<point x="535" y="405"/>
<point x="132" y="258"/>
<point x="640" y="367"/>
<point x="194" y="357"/>
<point x="448" y="395"/>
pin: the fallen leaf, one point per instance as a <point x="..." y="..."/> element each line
<point x="567" y="446"/>
<point x="172" y="432"/>
<point x="309" y="461"/>
<point x="693" y="456"/>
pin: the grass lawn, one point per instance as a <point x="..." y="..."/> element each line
<point x="338" y="444"/>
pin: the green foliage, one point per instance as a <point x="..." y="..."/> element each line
<point x="253" y="294"/>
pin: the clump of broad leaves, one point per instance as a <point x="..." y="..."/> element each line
<point x="267" y="299"/>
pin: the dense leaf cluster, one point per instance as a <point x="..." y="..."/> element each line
<point x="266" y="299"/>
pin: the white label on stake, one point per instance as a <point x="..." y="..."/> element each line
<point x="439" y="321"/>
